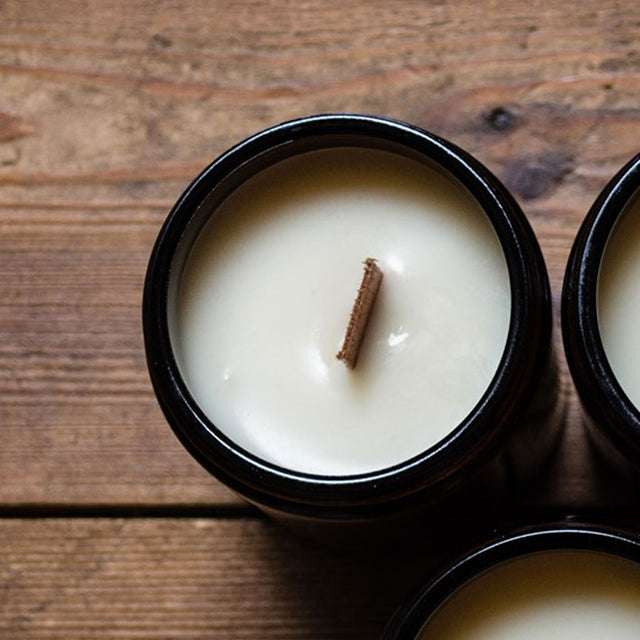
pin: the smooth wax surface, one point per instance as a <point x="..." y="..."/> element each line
<point x="619" y="301"/>
<point x="568" y="595"/>
<point x="267" y="291"/>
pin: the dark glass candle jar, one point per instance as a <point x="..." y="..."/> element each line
<point x="567" y="581"/>
<point x="365" y="461"/>
<point x="597" y="315"/>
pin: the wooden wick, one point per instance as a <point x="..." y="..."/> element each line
<point x="361" y="313"/>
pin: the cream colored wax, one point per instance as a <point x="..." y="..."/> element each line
<point x="619" y="301"/>
<point x="268" y="288"/>
<point x="565" y="595"/>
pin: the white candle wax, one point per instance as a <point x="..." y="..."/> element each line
<point x="556" y="594"/>
<point x="267" y="291"/>
<point x="619" y="301"/>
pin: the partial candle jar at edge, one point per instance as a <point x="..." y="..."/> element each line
<point x="600" y="319"/>
<point x="555" y="581"/>
<point x="248" y="294"/>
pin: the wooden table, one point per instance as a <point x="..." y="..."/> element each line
<point x="107" y="110"/>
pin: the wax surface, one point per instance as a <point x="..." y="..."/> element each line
<point x="568" y="595"/>
<point x="619" y="301"/>
<point x="267" y="291"/>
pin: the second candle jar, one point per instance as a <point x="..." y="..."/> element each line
<point x="250" y="289"/>
<point x="600" y="311"/>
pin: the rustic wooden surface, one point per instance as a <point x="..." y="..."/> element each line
<point x="107" y="109"/>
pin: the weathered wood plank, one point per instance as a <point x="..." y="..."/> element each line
<point x="190" y="579"/>
<point x="108" y="109"/>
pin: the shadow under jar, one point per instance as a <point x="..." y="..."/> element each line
<point x="570" y="581"/>
<point x="250" y="288"/>
<point x="600" y="320"/>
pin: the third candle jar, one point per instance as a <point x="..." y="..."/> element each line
<point x="249" y="301"/>
<point x="563" y="581"/>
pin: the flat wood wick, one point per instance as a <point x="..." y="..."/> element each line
<point x="361" y="313"/>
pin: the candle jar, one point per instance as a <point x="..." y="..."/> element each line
<point x="600" y="311"/>
<point x="248" y="293"/>
<point x="568" y="581"/>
